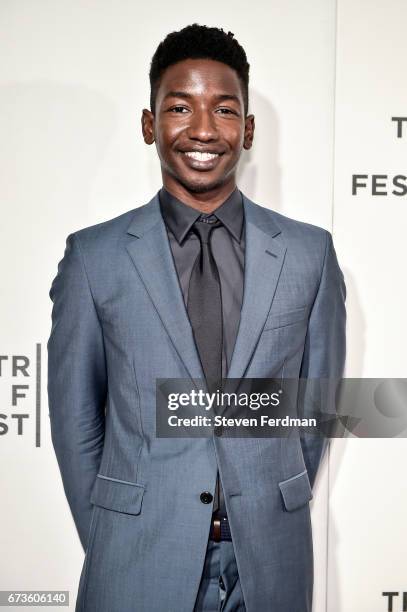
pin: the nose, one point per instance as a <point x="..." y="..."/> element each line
<point x="203" y="126"/>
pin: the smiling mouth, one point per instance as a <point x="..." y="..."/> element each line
<point x="201" y="156"/>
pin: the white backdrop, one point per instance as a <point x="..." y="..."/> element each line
<point x="368" y="491"/>
<point x="72" y="90"/>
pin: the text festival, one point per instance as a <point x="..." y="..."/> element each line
<point x="383" y="184"/>
<point x="17" y="372"/>
<point x="394" y="598"/>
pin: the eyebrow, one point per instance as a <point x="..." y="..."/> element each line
<point x="184" y="94"/>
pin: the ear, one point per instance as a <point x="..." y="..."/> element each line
<point x="147" y="126"/>
<point x="248" y="132"/>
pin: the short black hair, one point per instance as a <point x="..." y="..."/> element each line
<point x="199" y="42"/>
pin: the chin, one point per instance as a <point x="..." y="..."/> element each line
<point x="202" y="186"/>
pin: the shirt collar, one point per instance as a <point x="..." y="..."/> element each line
<point x="179" y="217"/>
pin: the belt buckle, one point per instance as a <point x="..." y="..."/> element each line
<point x="216" y="530"/>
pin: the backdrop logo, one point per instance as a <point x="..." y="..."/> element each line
<point x="394" y="600"/>
<point x="20" y="379"/>
<point x="383" y="184"/>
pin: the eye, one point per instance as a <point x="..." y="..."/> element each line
<point x="226" y="111"/>
<point x="178" y="109"/>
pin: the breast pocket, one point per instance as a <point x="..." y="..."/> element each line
<point x="286" y="317"/>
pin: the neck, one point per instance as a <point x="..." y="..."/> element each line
<point x="205" y="202"/>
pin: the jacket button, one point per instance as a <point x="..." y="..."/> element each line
<point x="206" y="497"/>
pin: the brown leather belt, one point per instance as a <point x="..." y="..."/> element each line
<point x="220" y="530"/>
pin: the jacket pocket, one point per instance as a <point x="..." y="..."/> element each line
<point x="119" y="495"/>
<point x="288" y="317"/>
<point x="296" y="491"/>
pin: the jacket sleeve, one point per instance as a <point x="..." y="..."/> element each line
<point x="324" y="354"/>
<point x="77" y="384"/>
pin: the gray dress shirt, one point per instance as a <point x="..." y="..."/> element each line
<point x="228" y="248"/>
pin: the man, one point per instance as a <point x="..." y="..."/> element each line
<point x="199" y="283"/>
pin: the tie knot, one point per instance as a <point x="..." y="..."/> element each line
<point x="204" y="225"/>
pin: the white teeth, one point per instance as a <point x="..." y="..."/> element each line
<point x="201" y="156"/>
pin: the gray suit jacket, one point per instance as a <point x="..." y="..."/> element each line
<point x="118" y="323"/>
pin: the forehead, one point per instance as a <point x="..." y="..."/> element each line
<point x="199" y="77"/>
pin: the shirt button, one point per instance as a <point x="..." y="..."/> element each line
<point x="206" y="497"/>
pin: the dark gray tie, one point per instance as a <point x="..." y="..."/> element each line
<point x="205" y="314"/>
<point x="205" y="303"/>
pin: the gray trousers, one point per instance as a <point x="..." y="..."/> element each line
<point x="219" y="589"/>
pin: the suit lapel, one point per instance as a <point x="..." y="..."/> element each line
<point x="151" y="254"/>
<point x="264" y="257"/>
